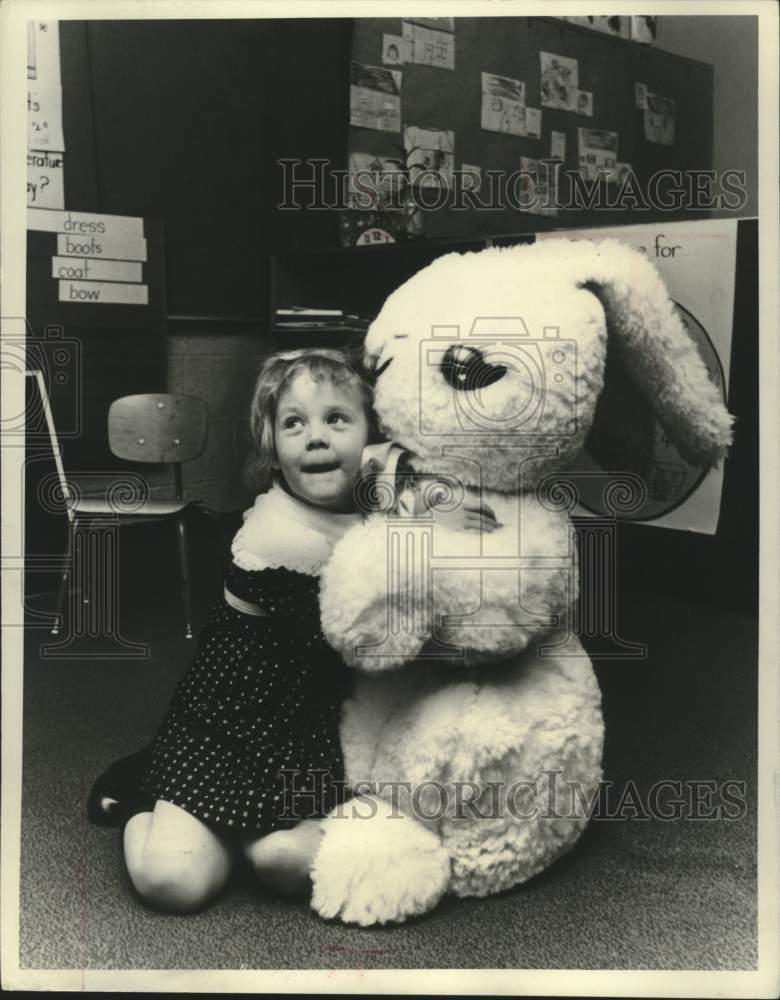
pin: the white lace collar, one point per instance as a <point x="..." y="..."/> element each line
<point x="281" y="531"/>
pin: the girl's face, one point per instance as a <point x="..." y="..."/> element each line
<point x="320" y="431"/>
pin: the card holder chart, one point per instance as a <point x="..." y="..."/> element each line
<point x="95" y="266"/>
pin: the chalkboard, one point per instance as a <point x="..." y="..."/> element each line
<point x="190" y="121"/>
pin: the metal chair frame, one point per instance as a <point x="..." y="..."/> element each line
<point x="183" y="439"/>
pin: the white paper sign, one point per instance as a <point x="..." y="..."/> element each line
<point x="100" y="247"/>
<point x="430" y="47"/>
<point x="44" y="117"/>
<point x="43" y="52"/>
<point x="45" y="183"/>
<point x="557" y="145"/>
<point x="375" y="98"/>
<point x="86" y="269"/>
<point x="559" y="85"/>
<point x="585" y="103"/>
<point x="659" y="120"/>
<point x="503" y="105"/>
<point x="44" y="88"/>
<point x="598" y="152"/>
<point x="618" y="26"/>
<point x="396" y="50"/>
<point x="127" y="227"/>
<point x="430" y="155"/>
<point x="32" y="68"/>
<point x="644" y="29"/>
<point x="533" y="123"/>
<point x="697" y="261"/>
<point x="376" y="183"/>
<point x="619" y="174"/>
<point x="538" y="196"/>
<point x="103" y="293"/>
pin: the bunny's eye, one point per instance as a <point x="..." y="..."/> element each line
<point x="464" y="368"/>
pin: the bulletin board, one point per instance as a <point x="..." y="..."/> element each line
<point x="450" y="99"/>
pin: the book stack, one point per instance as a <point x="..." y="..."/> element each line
<point x="304" y="319"/>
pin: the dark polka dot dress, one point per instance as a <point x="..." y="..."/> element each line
<point x="250" y="742"/>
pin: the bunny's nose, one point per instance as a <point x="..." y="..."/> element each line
<point x="464" y="368"/>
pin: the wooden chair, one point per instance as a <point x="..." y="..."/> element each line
<point x="157" y="428"/>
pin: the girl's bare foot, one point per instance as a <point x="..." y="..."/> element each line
<point x="282" y="860"/>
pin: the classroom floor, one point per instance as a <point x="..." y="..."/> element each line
<point x="641" y="894"/>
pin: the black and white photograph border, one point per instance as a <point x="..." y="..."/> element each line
<point x="644" y="808"/>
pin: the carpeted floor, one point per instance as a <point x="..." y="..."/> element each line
<point x="634" y="894"/>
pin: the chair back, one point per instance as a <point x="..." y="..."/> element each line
<point x="157" y="427"/>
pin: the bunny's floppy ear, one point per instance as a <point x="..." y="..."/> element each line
<point x="655" y="349"/>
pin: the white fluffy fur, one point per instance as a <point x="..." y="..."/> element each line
<point x="428" y="726"/>
<point x="509" y="709"/>
<point x="494" y="594"/>
<point x="508" y="293"/>
<point x="354" y="875"/>
<point x="663" y="359"/>
<point x="492" y="609"/>
<point x="356" y="602"/>
<point x="576" y="287"/>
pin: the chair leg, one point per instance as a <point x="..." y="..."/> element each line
<point x="184" y="561"/>
<point x="63" y="589"/>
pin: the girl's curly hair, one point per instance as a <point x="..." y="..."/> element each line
<point x="276" y="374"/>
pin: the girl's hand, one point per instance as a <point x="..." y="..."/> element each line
<point x="467" y="514"/>
<point x="471" y="515"/>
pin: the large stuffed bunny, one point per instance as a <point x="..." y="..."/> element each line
<point x="475" y="726"/>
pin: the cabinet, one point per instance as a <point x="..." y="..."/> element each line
<point x="356" y="280"/>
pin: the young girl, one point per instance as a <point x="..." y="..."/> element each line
<point x="247" y="758"/>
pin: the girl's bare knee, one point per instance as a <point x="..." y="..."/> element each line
<point x="175" y="862"/>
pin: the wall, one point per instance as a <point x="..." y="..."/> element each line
<point x="184" y="122"/>
<point x="731" y="45"/>
<point x="220" y="367"/>
<point x="190" y="119"/>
